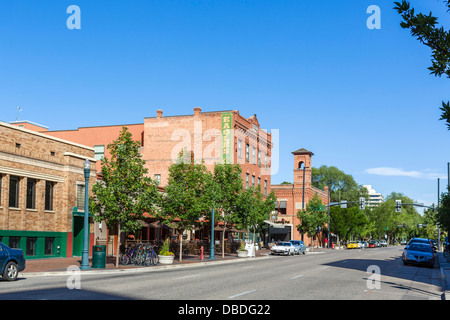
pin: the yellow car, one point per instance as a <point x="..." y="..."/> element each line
<point x="352" y="245"/>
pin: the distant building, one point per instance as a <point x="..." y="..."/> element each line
<point x="292" y="198"/>
<point x="375" y="198"/>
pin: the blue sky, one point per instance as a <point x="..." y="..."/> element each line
<point x="361" y="100"/>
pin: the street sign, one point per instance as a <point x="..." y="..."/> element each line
<point x="344" y="204"/>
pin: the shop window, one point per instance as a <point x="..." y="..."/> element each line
<point x="14" y="242"/>
<point x="49" y="246"/>
<point x="31" y="246"/>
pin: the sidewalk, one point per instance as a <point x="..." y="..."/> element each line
<point x="58" y="266"/>
<point x="444" y="264"/>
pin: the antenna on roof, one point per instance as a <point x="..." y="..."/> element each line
<point x="19" y="109"/>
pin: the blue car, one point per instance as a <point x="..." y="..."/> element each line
<point x="419" y="253"/>
<point x="299" y="246"/>
<point x="12" y="262"/>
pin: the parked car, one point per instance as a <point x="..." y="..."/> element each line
<point x="352" y="245"/>
<point x="372" y="244"/>
<point x="421" y="240"/>
<point x="365" y="244"/>
<point x="286" y="248"/>
<point x="12" y="262"/>
<point x="299" y="246"/>
<point x="383" y="243"/>
<point x="419" y="253"/>
<point x="403" y="242"/>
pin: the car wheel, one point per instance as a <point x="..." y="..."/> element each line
<point x="11" y="271"/>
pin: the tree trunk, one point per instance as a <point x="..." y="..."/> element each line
<point x="223" y="239"/>
<point x="181" y="246"/>
<point x="118" y="246"/>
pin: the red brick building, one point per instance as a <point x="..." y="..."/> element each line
<point x="213" y="137"/>
<point x="294" y="197"/>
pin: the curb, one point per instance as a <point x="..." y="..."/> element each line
<point x="135" y="270"/>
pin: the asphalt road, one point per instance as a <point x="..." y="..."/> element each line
<point x="333" y="275"/>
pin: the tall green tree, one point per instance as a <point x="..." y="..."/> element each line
<point x="125" y="193"/>
<point x="190" y="195"/>
<point x="426" y="29"/>
<point x="350" y="223"/>
<point x="313" y="217"/>
<point x="229" y="186"/>
<point x="253" y="208"/>
<point x="342" y="186"/>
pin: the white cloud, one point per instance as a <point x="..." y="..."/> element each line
<point x="398" y="172"/>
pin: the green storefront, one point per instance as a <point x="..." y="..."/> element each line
<point x="36" y="244"/>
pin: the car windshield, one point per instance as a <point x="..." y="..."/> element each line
<point x="284" y="244"/>
<point x="420" y="248"/>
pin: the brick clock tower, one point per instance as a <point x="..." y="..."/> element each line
<point x="302" y="165"/>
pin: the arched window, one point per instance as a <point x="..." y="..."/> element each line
<point x="300" y="164"/>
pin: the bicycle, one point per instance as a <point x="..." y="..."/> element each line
<point x="127" y="256"/>
<point x="151" y="257"/>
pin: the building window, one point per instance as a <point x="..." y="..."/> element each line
<point x="31" y="193"/>
<point x="282" y="207"/>
<point x="259" y="182"/>
<point x="1" y="177"/>
<point x="14" y="242"/>
<point x="49" y="186"/>
<point x="239" y="148"/>
<point x="99" y="152"/>
<point x="254" y="155"/>
<point x="265" y="160"/>
<point x="247" y="177"/>
<point x="259" y="158"/>
<point x="80" y="197"/>
<point x="247" y="152"/>
<point x="253" y="181"/>
<point x="14" y="191"/>
<point x="265" y="187"/>
<point x="157" y="179"/>
<point x="31" y="246"/>
<point x="49" y="246"/>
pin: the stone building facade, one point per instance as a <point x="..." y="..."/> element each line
<point x="42" y="192"/>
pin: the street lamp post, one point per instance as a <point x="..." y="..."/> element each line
<point x="85" y="252"/>
<point x="211" y="252"/>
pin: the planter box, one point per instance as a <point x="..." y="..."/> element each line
<point x="165" y="259"/>
<point x="242" y="254"/>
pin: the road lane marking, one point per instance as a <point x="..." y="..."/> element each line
<point x="185" y="277"/>
<point x="300" y="275"/>
<point x="248" y="267"/>
<point x="241" y="294"/>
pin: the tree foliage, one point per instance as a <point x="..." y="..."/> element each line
<point x="341" y="185"/>
<point x="426" y="29"/>
<point x="313" y="217"/>
<point x="125" y="193"/>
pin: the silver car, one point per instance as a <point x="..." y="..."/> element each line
<point x="286" y="248"/>
<point x="299" y="246"/>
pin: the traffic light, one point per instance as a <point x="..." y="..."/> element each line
<point x="362" y="203"/>
<point x="398" y="205"/>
